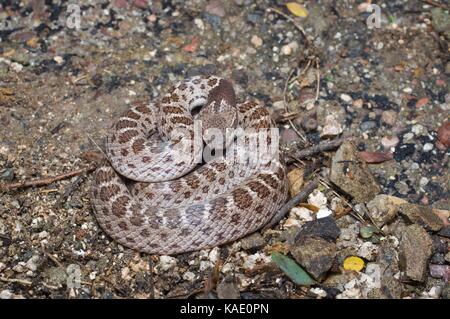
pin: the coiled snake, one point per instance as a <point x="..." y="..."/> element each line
<point x="155" y="199"/>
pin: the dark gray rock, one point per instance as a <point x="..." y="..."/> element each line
<point x="438" y="259"/>
<point x="368" y="125"/>
<point x="445" y="232"/>
<point x="253" y="242"/>
<point x="325" y="228"/>
<point x="315" y="254"/>
<point x="7" y="174"/>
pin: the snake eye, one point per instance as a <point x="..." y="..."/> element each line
<point x="196" y="110"/>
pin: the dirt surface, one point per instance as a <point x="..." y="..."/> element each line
<point x="61" y="89"/>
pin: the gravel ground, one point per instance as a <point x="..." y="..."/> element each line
<point x="61" y="87"/>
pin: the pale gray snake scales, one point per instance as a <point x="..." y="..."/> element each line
<point x="153" y="200"/>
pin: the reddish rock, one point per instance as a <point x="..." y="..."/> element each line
<point x="443" y="135"/>
<point x="422" y="102"/>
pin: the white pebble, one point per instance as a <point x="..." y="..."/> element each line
<point x="199" y="23"/>
<point x="166" y="263"/>
<point x="346" y="98"/>
<point x="58" y="59"/>
<point x="317" y="198"/>
<point x="286" y="50"/>
<point x="323" y="212"/>
<point x="189" y="276"/>
<point x="423" y="181"/>
<point x="256" y="41"/>
<point x="427" y="147"/>
<point x="407" y="90"/>
<point x="43" y="234"/>
<point x="6" y="294"/>
<point x="408" y="137"/>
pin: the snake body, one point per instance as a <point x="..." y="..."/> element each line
<point x="154" y="199"/>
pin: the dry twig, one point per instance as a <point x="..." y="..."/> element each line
<point x="45" y="181"/>
<point x="436" y="4"/>
<point x="18" y="281"/>
<point x="292" y="203"/>
<point x="316" y="149"/>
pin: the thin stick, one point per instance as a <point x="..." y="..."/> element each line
<point x="319" y="148"/>
<point x="53" y="258"/>
<point x="436" y="4"/>
<point x="318" y="80"/>
<point x="286" y="107"/>
<point x="292" y="203"/>
<point x="18" y="281"/>
<point x="45" y="181"/>
<point x="96" y="145"/>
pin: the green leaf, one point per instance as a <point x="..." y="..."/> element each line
<point x="292" y="270"/>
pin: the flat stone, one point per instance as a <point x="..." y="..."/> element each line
<point x="384" y="208"/>
<point x="351" y="174"/>
<point x="228" y="289"/>
<point x="315" y="254"/>
<point x="421" y="215"/>
<point x="253" y="242"/>
<point x="324" y="228"/>
<point x="416" y="248"/>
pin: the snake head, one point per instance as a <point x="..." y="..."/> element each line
<point x="219" y="115"/>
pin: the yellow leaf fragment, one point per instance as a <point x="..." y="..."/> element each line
<point x="353" y="263"/>
<point x="297" y="9"/>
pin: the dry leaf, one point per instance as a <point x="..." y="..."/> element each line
<point x="312" y="208"/>
<point x="353" y="263"/>
<point x="295" y="178"/>
<point x="297" y="9"/>
<point x="192" y="47"/>
<point x="309" y="78"/>
<point x="376" y="157"/>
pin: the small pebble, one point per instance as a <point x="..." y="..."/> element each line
<point x="368" y="125"/>
<point x="408" y="137"/>
<point x="366" y="232"/>
<point x="389" y="117"/>
<point x="256" y="41"/>
<point x="286" y="50"/>
<point x="389" y="141"/>
<point x="423" y="181"/>
<point x="58" y="59"/>
<point x="189" y="276"/>
<point x="6" y="294"/>
<point x="447" y="257"/>
<point x="346" y="98"/>
<point x="358" y="103"/>
<point x="428" y="147"/>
